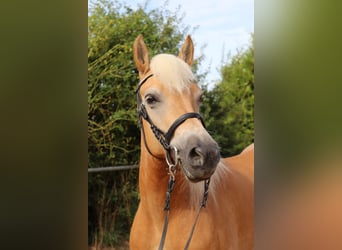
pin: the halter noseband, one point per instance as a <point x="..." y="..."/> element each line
<point x="163" y="138"/>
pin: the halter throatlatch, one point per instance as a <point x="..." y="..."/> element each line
<point x="171" y="160"/>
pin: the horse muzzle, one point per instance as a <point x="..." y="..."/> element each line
<point x="198" y="157"/>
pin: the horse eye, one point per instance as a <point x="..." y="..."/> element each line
<point x="150" y="100"/>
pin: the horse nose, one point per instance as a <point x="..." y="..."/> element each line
<point x="196" y="157"/>
<point x="203" y="157"/>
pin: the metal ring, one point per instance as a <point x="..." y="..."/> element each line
<point x="172" y="166"/>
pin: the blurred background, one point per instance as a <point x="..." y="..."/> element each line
<point x="46" y="60"/>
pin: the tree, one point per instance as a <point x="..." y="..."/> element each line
<point x="229" y="107"/>
<point x="113" y="134"/>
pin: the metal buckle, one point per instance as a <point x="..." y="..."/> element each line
<point x="172" y="166"/>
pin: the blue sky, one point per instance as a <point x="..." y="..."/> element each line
<point x="223" y="25"/>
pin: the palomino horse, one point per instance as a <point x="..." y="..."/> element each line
<point x="178" y="157"/>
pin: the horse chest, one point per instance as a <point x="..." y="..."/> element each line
<point x="206" y="234"/>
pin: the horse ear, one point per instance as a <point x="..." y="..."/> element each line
<point x="141" y="58"/>
<point x="187" y="51"/>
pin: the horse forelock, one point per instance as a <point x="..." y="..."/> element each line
<point x="172" y="71"/>
<point x="197" y="189"/>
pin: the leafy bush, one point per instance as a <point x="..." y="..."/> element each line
<point x="229" y="107"/>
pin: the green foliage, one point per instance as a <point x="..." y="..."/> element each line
<point x="113" y="134"/>
<point x="229" y="107"/>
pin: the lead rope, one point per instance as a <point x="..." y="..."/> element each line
<point x="203" y="204"/>
<point x="172" y="180"/>
<point x="167" y="209"/>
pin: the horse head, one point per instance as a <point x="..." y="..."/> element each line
<point x="168" y="104"/>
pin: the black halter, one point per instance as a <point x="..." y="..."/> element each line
<point x="165" y="139"/>
<point x="162" y="137"/>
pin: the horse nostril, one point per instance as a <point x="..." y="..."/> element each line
<point x="196" y="157"/>
<point x="196" y="152"/>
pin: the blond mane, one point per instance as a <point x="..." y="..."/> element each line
<point x="172" y="71"/>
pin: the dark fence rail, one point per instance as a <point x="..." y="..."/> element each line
<point x="113" y="168"/>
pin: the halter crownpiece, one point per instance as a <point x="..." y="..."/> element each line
<point x="142" y="82"/>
